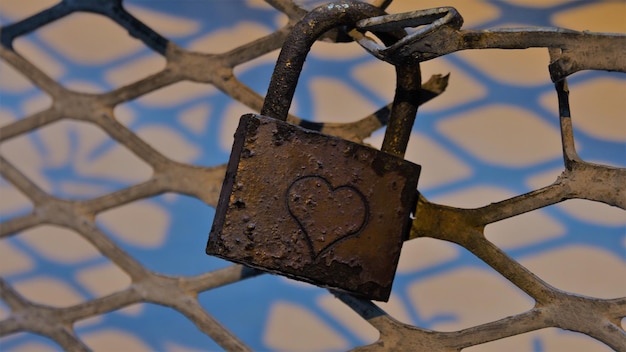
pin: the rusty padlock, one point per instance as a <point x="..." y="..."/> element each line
<point x="309" y="206"/>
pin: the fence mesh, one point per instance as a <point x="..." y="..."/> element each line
<point x="163" y="174"/>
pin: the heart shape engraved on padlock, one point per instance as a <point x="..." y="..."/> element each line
<point x="326" y="214"/>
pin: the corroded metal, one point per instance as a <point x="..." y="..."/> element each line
<point x="337" y="215"/>
<point x="441" y="34"/>
<point x="314" y="207"/>
<point x="598" y="318"/>
<point x="293" y="54"/>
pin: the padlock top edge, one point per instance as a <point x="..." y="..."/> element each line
<point x="309" y="131"/>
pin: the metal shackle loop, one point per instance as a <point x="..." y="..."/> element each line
<point x="298" y="44"/>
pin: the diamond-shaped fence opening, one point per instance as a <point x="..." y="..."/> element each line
<point x="78" y="50"/>
<point x="92" y="164"/>
<point x="510" y="248"/>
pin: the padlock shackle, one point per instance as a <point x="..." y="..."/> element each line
<point x="298" y="44"/>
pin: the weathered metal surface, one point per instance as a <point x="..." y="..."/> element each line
<point x="299" y="41"/>
<point x="313" y="207"/>
<point x="294" y="51"/>
<point x="597" y="318"/>
<point x="338" y="213"/>
<point x="441" y="34"/>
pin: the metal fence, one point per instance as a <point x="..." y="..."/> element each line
<point x="599" y="318"/>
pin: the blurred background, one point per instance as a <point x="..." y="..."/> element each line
<point x="493" y="134"/>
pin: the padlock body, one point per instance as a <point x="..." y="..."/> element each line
<point x="314" y="207"/>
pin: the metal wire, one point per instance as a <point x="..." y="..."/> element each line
<point x="598" y="318"/>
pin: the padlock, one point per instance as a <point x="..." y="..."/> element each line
<point x="309" y="206"/>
